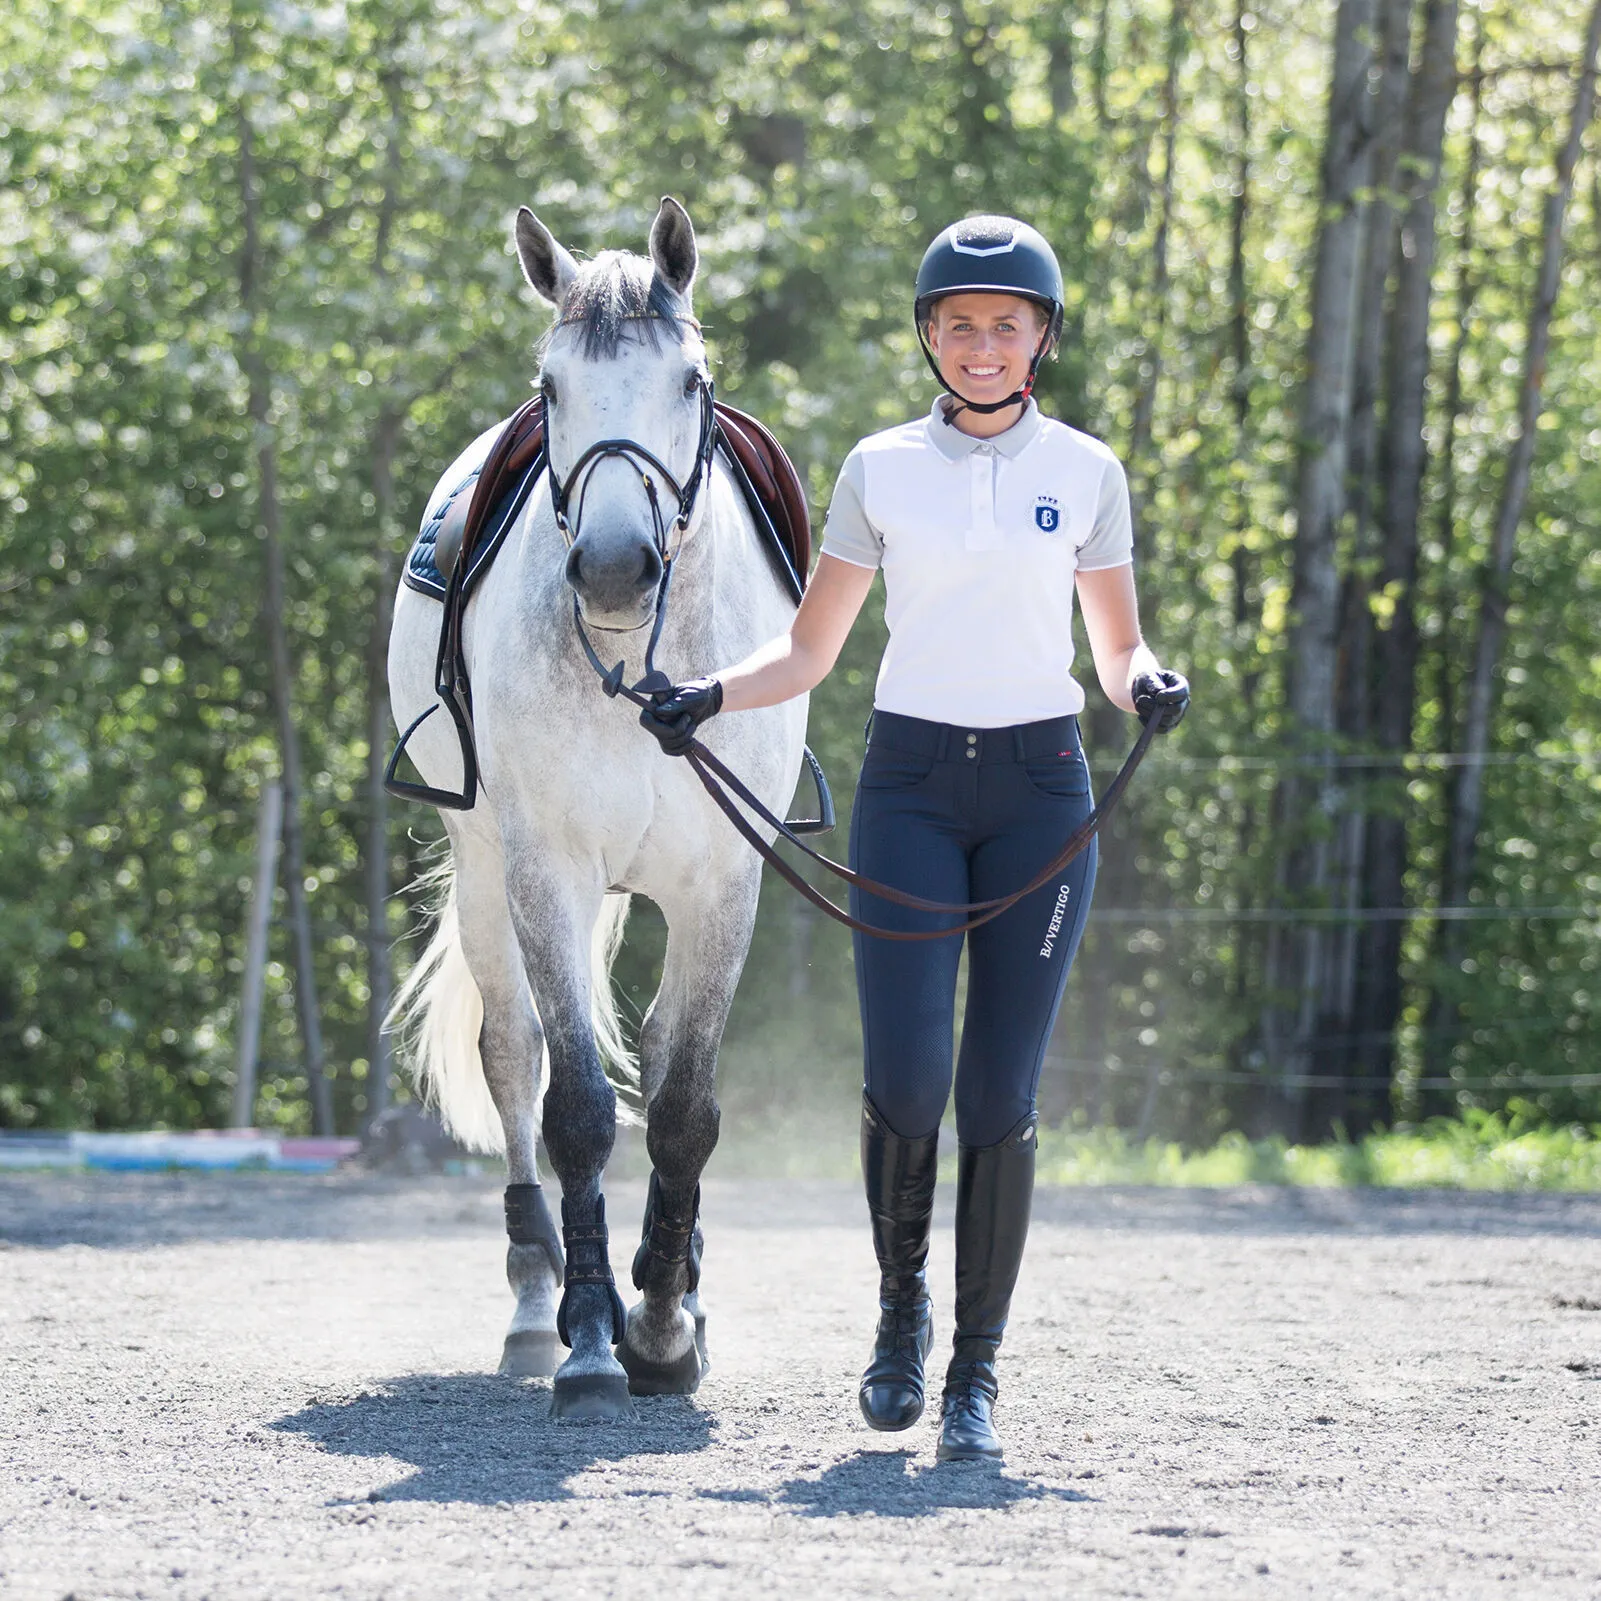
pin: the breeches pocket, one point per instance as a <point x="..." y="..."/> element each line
<point x="887" y="770"/>
<point x="1058" y="777"/>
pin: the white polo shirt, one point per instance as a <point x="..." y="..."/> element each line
<point x="979" y="540"/>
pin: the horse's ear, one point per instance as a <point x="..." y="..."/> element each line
<point x="547" y="267"/>
<point x="672" y="247"/>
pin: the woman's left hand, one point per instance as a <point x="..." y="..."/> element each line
<point x="675" y="718"/>
<point x="1164" y="695"/>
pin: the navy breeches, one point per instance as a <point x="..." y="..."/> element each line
<point x="959" y="815"/>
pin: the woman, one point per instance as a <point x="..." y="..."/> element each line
<point x="984" y="516"/>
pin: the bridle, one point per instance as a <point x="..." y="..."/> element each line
<point x="727" y="788"/>
<point x="668" y="538"/>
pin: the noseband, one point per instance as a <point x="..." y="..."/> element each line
<point x="668" y="538"/>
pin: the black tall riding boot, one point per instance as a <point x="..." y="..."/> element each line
<point x="899" y="1174"/>
<point x="994" y="1190"/>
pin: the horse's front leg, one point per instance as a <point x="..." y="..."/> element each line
<point x="510" y="1043"/>
<point x="708" y="934"/>
<point x="553" y="922"/>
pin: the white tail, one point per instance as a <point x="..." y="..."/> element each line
<point x="438" y="1014"/>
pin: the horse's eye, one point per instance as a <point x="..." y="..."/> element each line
<point x="692" y="382"/>
<point x="547" y="389"/>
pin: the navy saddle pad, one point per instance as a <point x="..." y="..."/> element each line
<point x="421" y="572"/>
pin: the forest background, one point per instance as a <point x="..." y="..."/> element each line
<point x="1333" y="278"/>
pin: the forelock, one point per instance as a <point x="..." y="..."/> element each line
<point x="612" y="294"/>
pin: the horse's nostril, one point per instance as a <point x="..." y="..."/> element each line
<point x="650" y="568"/>
<point x="575" y="562"/>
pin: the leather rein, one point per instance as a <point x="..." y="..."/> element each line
<point x="717" y="780"/>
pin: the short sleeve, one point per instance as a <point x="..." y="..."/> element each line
<point x="847" y="534"/>
<point x="1111" y="540"/>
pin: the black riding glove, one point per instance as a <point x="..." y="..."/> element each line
<point x="1163" y="695"/>
<point x="675" y="718"/>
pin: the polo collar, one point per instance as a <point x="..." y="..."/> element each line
<point x="953" y="444"/>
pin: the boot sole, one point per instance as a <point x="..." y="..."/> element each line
<point x="957" y="1453"/>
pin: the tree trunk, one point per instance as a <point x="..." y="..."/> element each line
<point x="1468" y="808"/>
<point x="1099" y="54"/>
<point x="1437" y="1047"/>
<point x="1403" y="458"/>
<point x="259" y="407"/>
<point x="385" y="576"/>
<point x="1297" y="953"/>
<point x="1059" y="62"/>
<point x="258" y="927"/>
<point x="1247" y="932"/>
<point x="1142" y="468"/>
<point x="1338" y="1051"/>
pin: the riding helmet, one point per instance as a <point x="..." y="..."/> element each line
<point x="998" y="255"/>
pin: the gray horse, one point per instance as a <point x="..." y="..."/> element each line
<point x="580" y="808"/>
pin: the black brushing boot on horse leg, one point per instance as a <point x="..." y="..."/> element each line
<point x="899" y="1174"/>
<point x="994" y="1192"/>
<point x="668" y="1255"/>
<point x="531" y="1353"/>
<point x="601" y="1392"/>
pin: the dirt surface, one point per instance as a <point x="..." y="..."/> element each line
<point x="239" y="1387"/>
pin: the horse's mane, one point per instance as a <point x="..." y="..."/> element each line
<point x="615" y="291"/>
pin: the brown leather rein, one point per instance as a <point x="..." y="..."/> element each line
<point x="718" y="781"/>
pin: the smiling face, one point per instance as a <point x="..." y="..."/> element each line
<point x="984" y="343"/>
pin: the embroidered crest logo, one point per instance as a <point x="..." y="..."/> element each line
<point x="1047" y="515"/>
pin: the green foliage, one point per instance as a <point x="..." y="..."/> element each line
<point x="817" y="145"/>
<point x="1481" y="1151"/>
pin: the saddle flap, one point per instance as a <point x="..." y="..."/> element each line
<point x="449" y="536"/>
<point x="513" y="453"/>
<point x="776" y="482"/>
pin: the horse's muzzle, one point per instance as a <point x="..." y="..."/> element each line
<point x="616" y="587"/>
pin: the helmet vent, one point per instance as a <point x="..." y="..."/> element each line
<point x="984" y="236"/>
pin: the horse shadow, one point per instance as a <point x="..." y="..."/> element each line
<point x="895" y="1484"/>
<point x="483" y="1439"/>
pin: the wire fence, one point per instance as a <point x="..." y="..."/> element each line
<point x="1166" y="1074"/>
<point x="1422" y="761"/>
<point x="1344" y="914"/>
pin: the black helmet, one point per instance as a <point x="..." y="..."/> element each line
<point x="998" y="255"/>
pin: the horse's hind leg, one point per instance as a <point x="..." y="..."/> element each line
<point x="510" y="1044"/>
<point x="664" y="1349"/>
<point x="553" y="922"/>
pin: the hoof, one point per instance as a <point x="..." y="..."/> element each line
<point x="662" y="1378"/>
<point x="591" y="1397"/>
<point x="693" y="1307"/>
<point x="530" y="1354"/>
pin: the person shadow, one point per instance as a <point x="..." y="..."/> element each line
<point x="483" y="1439"/>
<point x="896" y="1484"/>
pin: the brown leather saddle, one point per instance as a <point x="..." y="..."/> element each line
<point x="760" y="466"/>
<point x="459" y="541"/>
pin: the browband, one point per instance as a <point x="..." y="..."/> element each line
<point x="637" y="316"/>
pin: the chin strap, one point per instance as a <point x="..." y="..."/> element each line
<point x="1018" y="397"/>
